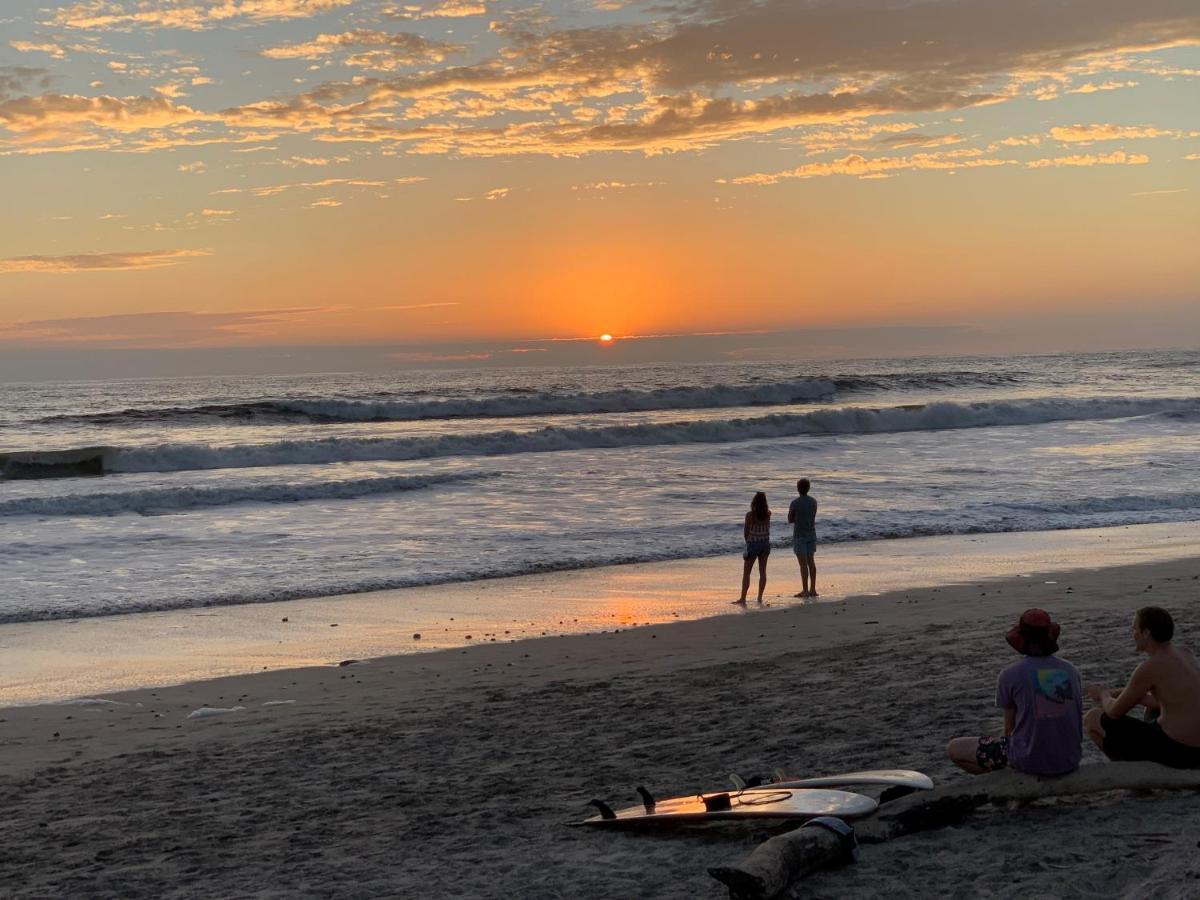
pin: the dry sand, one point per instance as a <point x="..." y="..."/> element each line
<point x="452" y="774"/>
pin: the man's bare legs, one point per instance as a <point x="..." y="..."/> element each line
<point x="963" y="753"/>
<point x="808" y="575"/>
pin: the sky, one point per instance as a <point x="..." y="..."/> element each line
<point x="482" y="182"/>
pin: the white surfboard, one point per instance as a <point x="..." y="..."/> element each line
<point x="778" y="803"/>
<point x="908" y="778"/>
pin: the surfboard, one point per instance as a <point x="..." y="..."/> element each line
<point x="908" y="778"/>
<point x="778" y="803"/>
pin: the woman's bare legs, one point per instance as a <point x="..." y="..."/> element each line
<point x="762" y="575"/>
<point x="749" y="564"/>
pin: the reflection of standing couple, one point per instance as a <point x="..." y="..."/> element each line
<point x="802" y="515"/>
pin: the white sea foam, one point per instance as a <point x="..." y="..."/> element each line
<point x="183" y="497"/>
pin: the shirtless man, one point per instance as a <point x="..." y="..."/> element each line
<point x="1169" y="681"/>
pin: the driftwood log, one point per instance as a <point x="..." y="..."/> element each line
<point x="778" y="863"/>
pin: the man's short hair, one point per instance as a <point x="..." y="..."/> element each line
<point x="802" y="485"/>
<point x="1157" y="621"/>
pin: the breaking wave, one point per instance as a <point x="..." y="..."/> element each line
<point x="831" y="421"/>
<point x="541" y="403"/>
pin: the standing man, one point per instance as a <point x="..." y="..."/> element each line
<point x="802" y="514"/>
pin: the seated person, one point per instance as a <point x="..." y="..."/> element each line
<point x="1043" y="708"/>
<point x="1167" y="681"/>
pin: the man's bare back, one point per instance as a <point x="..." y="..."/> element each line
<point x="1173" y="675"/>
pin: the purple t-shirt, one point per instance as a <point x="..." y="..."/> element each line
<point x="1045" y="692"/>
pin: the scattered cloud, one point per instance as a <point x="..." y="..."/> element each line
<point x="1086" y="134"/>
<point x="325" y="201"/>
<point x="193" y="15"/>
<point x="1116" y="158"/>
<point x="1091" y="87"/>
<point x="1158" y="193"/>
<point x="217" y="213"/>
<point x="19" y="79"/>
<point x="271" y="189"/>
<point x="192" y="168"/>
<point x="380" y="50"/>
<point x="446" y="9"/>
<point x="47" y="47"/>
<point x="496" y="194"/>
<point x="98" y="262"/>
<point x="858" y="166"/>
<point x="154" y="329"/>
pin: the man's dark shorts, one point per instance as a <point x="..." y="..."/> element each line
<point x="1128" y="739"/>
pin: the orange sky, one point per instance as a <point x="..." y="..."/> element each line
<point x="362" y="172"/>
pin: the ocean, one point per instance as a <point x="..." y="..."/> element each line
<point x="174" y="493"/>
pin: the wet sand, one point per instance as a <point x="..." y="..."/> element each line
<point x="451" y="774"/>
<point x="56" y="660"/>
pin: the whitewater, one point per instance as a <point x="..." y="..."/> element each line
<point x="174" y="493"/>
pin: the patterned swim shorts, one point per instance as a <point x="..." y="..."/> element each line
<point x="992" y="753"/>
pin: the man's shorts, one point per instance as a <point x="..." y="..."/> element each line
<point x="992" y="753"/>
<point x="1130" y="739"/>
<point x="804" y="546"/>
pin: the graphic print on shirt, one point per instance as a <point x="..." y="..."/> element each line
<point x="1053" y="691"/>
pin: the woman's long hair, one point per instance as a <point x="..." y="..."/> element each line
<point x="759" y="508"/>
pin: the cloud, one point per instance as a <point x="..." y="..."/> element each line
<point x="1086" y="134"/>
<point x="858" y="166"/>
<point x="379" y="50"/>
<point x="605" y="186"/>
<point x="49" y="48"/>
<point x="152" y="329"/>
<point x="447" y="9"/>
<point x="325" y="201"/>
<point x="915" y="139"/>
<point x="714" y="70"/>
<point x="496" y="194"/>
<point x="217" y="213"/>
<point x="192" y="168"/>
<point x="73" y="121"/>
<point x="19" y="79"/>
<point x="194" y="15"/>
<point x="1116" y="158"/>
<point x="273" y="189"/>
<point x="98" y="262"/>
<point x="1091" y="87"/>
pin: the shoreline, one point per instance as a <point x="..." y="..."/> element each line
<point x="312" y="796"/>
<point x="54" y="660"/>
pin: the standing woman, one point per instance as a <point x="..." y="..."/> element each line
<point x="757" y="532"/>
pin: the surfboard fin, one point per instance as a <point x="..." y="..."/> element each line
<point x="647" y="799"/>
<point x="605" y="810"/>
<point x="716" y="802"/>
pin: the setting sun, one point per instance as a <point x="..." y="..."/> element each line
<point x="606" y="338"/>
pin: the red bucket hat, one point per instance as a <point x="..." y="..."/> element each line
<point x="1034" y="626"/>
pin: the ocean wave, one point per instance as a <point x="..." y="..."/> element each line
<point x="520" y="403"/>
<point x="832" y="421"/>
<point x="150" y="501"/>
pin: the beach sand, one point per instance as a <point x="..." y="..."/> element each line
<point x="452" y="774"/>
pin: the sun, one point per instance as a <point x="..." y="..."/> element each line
<point x="606" y="338"/>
